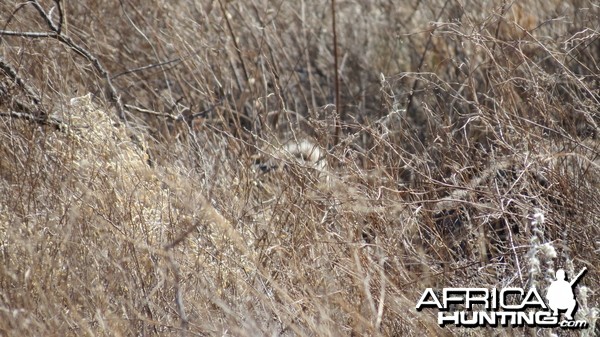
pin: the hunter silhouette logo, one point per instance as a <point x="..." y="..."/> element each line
<point x="507" y="307"/>
<point x="560" y="294"/>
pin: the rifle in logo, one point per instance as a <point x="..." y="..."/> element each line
<point x="560" y="294"/>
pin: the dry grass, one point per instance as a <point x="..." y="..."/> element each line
<point x="167" y="201"/>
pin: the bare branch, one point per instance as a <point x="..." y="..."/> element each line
<point x="61" y="17"/>
<point x="114" y="97"/>
<point x="33" y="35"/>
<point x="44" y="16"/>
<point x="178" y="295"/>
<point x="53" y="122"/>
<point x="235" y="44"/>
<point x="12" y="15"/>
<point x="422" y="60"/>
<point x="151" y="112"/>
<point x="15" y="77"/>
<point x="150" y="66"/>
<point x="338" y="104"/>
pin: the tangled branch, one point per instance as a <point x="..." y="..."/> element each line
<point x="57" y="33"/>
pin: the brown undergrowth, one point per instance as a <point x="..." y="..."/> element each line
<point x="170" y="167"/>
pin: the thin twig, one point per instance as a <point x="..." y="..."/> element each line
<point x="151" y="112"/>
<point x="338" y="101"/>
<point x="427" y="45"/>
<point x="12" y="15"/>
<point x="61" y="16"/>
<point x="8" y="69"/>
<point x="55" y="123"/>
<point x="150" y="66"/>
<point x="55" y="33"/>
<point x="235" y="44"/>
<point x="114" y="96"/>
<point x="382" y="290"/>
<point x="34" y="35"/>
<point x="178" y="295"/>
<point x="44" y="16"/>
<point x="200" y="114"/>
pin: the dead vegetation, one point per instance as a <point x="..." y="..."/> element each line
<point x="169" y="201"/>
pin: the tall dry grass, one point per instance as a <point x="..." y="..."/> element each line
<point x="162" y="204"/>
